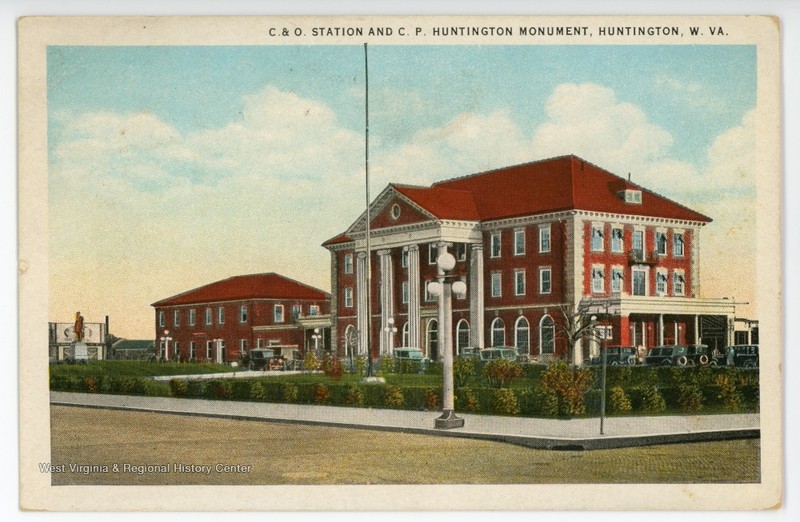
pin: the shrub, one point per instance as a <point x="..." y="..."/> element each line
<point x="500" y="372"/>
<point x="354" y="396"/>
<point x="386" y="365"/>
<point x="569" y="385"/>
<point x="258" y="392"/>
<point x="430" y="398"/>
<point x="311" y="363"/>
<point x="466" y="399"/>
<point x="433" y="368"/>
<point x="196" y="388"/>
<point x="652" y="400"/>
<point x="393" y="397"/>
<point x="728" y="393"/>
<point x="332" y="368"/>
<point x="360" y="364"/>
<point x="132" y="386"/>
<point x="290" y="392"/>
<point x="241" y="389"/>
<point x="504" y="402"/>
<point x="178" y="388"/>
<point x="320" y="393"/>
<point x="91" y="385"/>
<point x="618" y="401"/>
<point x="463" y="369"/>
<point x="690" y="397"/>
<point x="219" y="390"/>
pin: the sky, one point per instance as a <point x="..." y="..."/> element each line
<point x="172" y="167"/>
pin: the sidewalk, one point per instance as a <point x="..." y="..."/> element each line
<point x="574" y="434"/>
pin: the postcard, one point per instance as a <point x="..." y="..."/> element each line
<point x="516" y="262"/>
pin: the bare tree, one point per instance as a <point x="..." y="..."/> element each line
<point x="579" y="322"/>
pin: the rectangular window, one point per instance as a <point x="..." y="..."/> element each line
<point x="209" y="344"/>
<point x="243" y="314"/>
<point x="348" y="263"/>
<point x="519" y="242"/>
<point x="598" y="235"/>
<point x="428" y="295"/>
<point x="678" y="283"/>
<point x="433" y="253"/>
<point x="617" y="240"/>
<point x="161" y="318"/>
<point x="598" y="280"/>
<point x="639" y="282"/>
<point x="677" y="245"/>
<point x="348" y="297"/>
<point x="405" y="292"/>
<point x="661" y="243"/>
<point x="243" y="345"/>
<point x="404" y="258"/>
<point x="497" y="288"/>
<point x="313" y="310"/>
<point x="297" y="311"/>
<point x="259" y="343"/>
<point x="278" y="314"/>
<point x="617" y="277"/>
<point x="544" y="239"/>
<point x="494" y="240"/>
<point x="519" y="282"/>
<point x="192" y="350"/>
<point x="461" y="251"/>
<point x="176" y="320"/>
<point x="661" y="282"/>
<point x="638" y="241"/>
<point x="192" y="317"/>
<point x="221" y="315"/>
<point x="209" y="316"/>
<point x="545" y="285"/>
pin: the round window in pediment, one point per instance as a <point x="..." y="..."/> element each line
<point x="395" y="211"/>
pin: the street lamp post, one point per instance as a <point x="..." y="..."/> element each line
<point x="444" y="288"/>
<point x="166" y="339"/>
<point x="602" y="375"/>
<point x="317" y="336"/>
<point x="390" y="330"/>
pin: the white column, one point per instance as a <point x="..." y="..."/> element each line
<point x="661" y="329"/>
<point x="476" y="302"/>
<point x="361" y="308"/>
<point x="387" y="299"/>
<point x="696" y="329"/>
<point x="413" y="297"/>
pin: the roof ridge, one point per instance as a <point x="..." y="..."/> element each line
<point x="475" y="174"/>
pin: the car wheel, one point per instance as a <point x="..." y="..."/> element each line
<point x="750" y="364"/>
<point x="682" y="360"/>
<point x="251" y="366"/>
<point x="614" y="363"/>
<point x="631" y="360"/>
<point x="704" y="359"/>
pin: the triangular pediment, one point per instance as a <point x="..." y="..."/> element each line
<point x="391" y="209"/>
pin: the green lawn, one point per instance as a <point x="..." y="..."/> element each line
<point x="136" y="369"/>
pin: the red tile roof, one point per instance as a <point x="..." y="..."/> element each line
<point x="442" y="202"/>
<point x="254" y="286"/>
<point x="341" y="238"/>
<point x="564" y="183"/>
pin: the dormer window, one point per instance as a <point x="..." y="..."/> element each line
<point x="632" y="196"/>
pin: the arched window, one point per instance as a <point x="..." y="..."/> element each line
<point x="350" y="341"/>
<point x="405" y="334"/>
<point x="498" y="332"/>
<point x="432" y="337"/>
<point x="462" y="335"/>
<point x="547" y="335"/>
<point x="522" y="337"/>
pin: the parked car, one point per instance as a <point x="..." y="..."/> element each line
<point x="265" y="359"/>
<point x="668" y="356"/>
<point x="498" y="352"/>
<point x="698" y="355"/>
<point x="412" y="357"/>
<point x="469" y="351"/>
<point x="615" y="356"/>
<point x="740" y="355"/>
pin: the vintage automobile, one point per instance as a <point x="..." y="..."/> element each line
<point x="412" y="358"/>
<point x="698" y="355"/>
<point x="265" y="359"/>
<point x="498" y="352"/>
<point x="739" y="355"/>
<point x="668" y="356"/>
<point x="615" y="356"/>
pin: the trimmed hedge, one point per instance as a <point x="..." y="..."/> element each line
<point x="557" y="390"/>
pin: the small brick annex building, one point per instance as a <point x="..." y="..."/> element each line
<point x="537" y="244"/>
<point x="223" y="320"/>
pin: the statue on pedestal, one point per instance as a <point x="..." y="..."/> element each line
<point x="77" y="330"/>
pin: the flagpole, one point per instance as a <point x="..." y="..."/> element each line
<point x="369" y="253"/>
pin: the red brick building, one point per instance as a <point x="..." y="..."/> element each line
<point x="223" y="320"/>
<point x="540" y="246"/>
